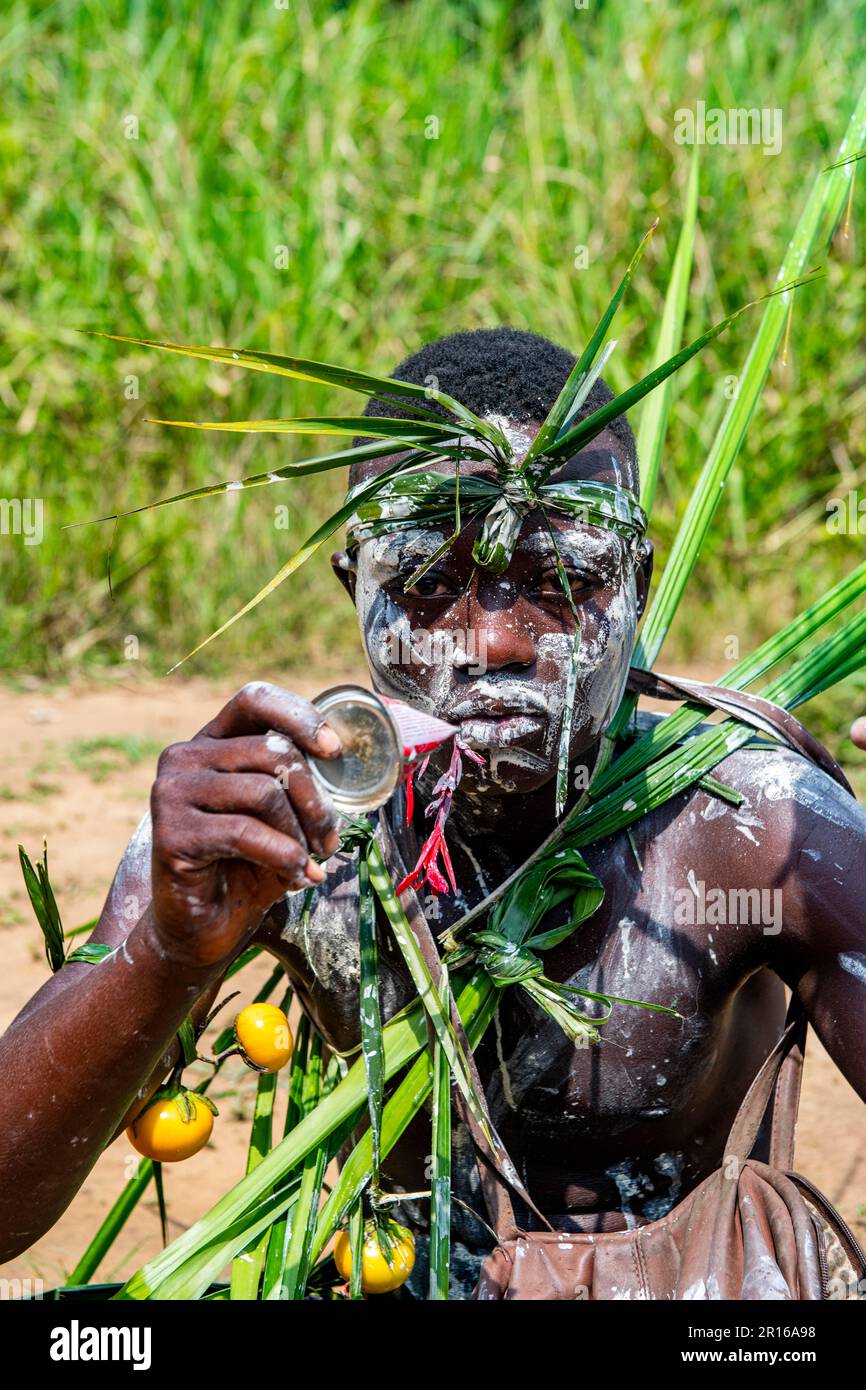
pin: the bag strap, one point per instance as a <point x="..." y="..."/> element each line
<point x="782" y="1114"/>
<point x="783" y="1073"/>
<point x="774" y="1094"/>
<point x="762" y="714"/>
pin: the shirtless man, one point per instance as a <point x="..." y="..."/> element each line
<point x="625" y="1127"/>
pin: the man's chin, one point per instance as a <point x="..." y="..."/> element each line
<point x="507" y="771"/>
<point x="520" y="769"/>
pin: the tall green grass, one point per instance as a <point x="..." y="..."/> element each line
<point x="305" y="128"/>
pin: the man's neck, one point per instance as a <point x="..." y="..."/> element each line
<point x="516" y="821"/>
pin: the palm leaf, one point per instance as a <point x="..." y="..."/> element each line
<point x="247" y="1266"/>
<point x="356" y="1245"/>
<point x="341" y="459"/>
<point x="326" y="374"/>
<point x="476" y="1003"/>
<point x="676" y="726"/>
<point x="654" y="420"/>
<point x="565" y="402"/>
<point x="423" y="982"/>
<point x="297" y="1266"/>
<point x="590" y="427"/>
<point x="278" y="1238"/>
<point x="406" y="432"/>
<point x="160" y="1201"/>
<point x="372" y="1047"/>
<point x="44" y="905"/>
<point x="440" y="1178"/>
<point x="813" y="233"/>
<point x="310" y="546"/>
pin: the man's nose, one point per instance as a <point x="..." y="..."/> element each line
<point x="498" y="637"/>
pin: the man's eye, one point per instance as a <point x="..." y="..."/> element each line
<point x="549" y="585"/>
<point x="428" y="586"/>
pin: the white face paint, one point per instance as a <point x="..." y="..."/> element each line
<point x="511" y="709"/>
<point x="520" y="745"/>
<point x="384" y="623"/>
<point x="519" y="436"/>
<point x="854" y="963"/>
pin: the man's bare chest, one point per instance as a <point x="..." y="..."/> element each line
<point x="657" y="939"/>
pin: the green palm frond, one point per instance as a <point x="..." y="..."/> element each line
<point x="327" y="374"/>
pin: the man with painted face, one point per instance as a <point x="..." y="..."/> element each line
<point x="605" y="1137"/>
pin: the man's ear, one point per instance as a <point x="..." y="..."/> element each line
<point x="643" y="573"/>
<point x="344" y="568"/>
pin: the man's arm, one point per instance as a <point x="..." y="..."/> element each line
<point x="822" y="944"/>
<point x="73" y="1065"/>
<point x="236" y="816"/>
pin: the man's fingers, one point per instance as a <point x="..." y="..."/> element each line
<point x="210" y="835"/>
<point x="249" y="793"/>
<point x="271" y="754"/>
<point x="858" y="732"/>
<point x="246" y="753"/>
<point x="311" y="806"/>
<point x="260" y="706"/>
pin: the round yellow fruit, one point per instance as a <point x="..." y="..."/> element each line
<point x="379" y="1273"/>
<point x="263" y="1035"/>
<point x="163" y="1133"/>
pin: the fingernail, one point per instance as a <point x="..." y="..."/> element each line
<point x="314" y="871"/>
<point x="327" y="741"/>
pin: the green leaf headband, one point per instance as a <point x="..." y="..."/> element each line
<point x="429" y="499"/>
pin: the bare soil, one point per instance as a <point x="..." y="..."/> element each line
<point x="78" y="763"/>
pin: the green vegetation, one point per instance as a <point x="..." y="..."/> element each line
<point x="282" y="193"/>
<point x="100" y="757"/>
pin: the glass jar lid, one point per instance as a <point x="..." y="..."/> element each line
<point x="369" y="768"/>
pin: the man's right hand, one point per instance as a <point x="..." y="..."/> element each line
<point x="236" y="816"/>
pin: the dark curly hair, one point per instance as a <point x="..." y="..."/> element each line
<point x="502" y="371"/>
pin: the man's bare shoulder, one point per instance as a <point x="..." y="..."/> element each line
<point x="785" y="784"/>
<point x="788" y="806"/>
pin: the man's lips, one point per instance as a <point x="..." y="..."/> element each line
<point x="497" y="726"/>
<point x="488" y="719"/>
<point x="479" y="707"/>
<point x="503" y="731"/>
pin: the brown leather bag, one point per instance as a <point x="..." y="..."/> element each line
<point x="751" y="1230"/>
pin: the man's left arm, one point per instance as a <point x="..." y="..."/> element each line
<point x="821" y="948"/>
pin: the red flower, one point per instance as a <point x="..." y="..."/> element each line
<point x="428" y="869"/>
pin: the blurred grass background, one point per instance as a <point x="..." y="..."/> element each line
<point x="283" y="192"/>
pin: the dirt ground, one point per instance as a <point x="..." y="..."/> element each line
<point x="77" y="766"/>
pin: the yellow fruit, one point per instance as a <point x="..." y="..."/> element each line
<point x="161" y="1132"/>
<point x="377" y="1274"/>
<point x="263" y="1036"/>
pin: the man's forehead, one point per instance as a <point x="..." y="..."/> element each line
<point x="575" y="542"/>
<point x="577" y="538"/>
<point x="603" y="461"/>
